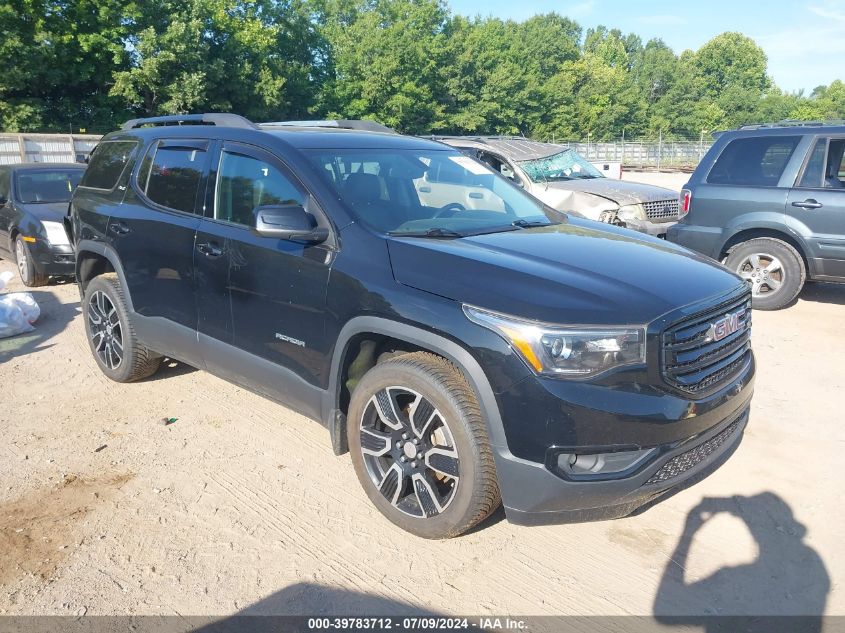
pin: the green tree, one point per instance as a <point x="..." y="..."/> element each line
<point x="386" y="59"/>
<point x="254" y="57"/>
<point x="58" y="57"/>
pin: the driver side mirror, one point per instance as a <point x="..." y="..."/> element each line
<point x="288" y="222"/>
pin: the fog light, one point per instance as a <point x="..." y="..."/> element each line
<point x="598" y="465"/>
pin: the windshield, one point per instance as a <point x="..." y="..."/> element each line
<point x="54" y="185"/>
<point x="567" y="165"/>
<point x="427" y="192"/>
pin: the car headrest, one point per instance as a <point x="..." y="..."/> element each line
<point x="363" y="188"/>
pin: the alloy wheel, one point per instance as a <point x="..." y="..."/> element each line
<point x="409" y="452"/>
<point x="105" y="328"/>
<point x="763" y="272"/>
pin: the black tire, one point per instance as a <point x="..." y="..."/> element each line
<point x="29" y="274"/>
<point x="450" y="504"/>
<point x="764" y="262"/>
<point x="110" y="334"/>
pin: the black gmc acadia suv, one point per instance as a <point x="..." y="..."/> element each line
<point x="571" y="369"/>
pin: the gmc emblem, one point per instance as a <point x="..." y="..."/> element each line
<point x="728" y="324"/>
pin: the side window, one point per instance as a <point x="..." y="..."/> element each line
<point x="756" y="161"/>
<point x="245" y="183"/>
<point x="4" y="184"/>
<point x="173" y="175"/>
<point x="108" y="161"/>
<point x="833" y="175"/>
<point x="814" y="171"/>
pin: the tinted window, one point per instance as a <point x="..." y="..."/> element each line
<point x="4" y="184"/>
<point x="245" y="183"/>
<point x="107" y="163"/>
<point x="815" y="166"/>
<point x="174" y="176"/>
<point x="417" y="191"/>
<point x="753" y="161"/>
<point x="46" y="185"/>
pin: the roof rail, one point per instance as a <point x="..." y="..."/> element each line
<point x="213" y="118"/>
<point x="344" y="124"/>
<point x="793" y="123"/>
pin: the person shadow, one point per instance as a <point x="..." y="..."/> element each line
<point x="787" y="578"/>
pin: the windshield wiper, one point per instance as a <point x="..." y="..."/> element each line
<point x="527" y="224"/>
<point x="437" y="231"/>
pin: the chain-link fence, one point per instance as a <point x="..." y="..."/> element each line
<point x="649" y="154"/>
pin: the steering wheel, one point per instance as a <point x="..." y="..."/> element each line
<point x="449" y="210"/>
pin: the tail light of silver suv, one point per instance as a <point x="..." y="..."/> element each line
<point x="684" y="202"/>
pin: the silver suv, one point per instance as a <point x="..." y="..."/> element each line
<point x="564" y="180"/>
<point x="769" y="202"/>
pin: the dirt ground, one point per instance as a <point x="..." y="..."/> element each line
<point x="240" y="506"/>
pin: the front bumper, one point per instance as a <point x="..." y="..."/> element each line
<point x="657" y="229"/>
<point x="707" y="240"/>
<point x="53" y="260"/>
<point x="552" y="500"/>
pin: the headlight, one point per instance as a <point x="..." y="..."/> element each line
<point x="56" y="234"/>
<point x="574" y="352"/>
<point x="632" y="212"/>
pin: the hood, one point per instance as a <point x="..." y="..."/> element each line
<point x="54" y="211"/>
<point x="575" y="272"/>
<point x="621" y="192"/>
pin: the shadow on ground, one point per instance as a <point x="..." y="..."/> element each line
<point x="55" y="317"/>
<point x="824" y="293"/>
<point x="788" y="577"/>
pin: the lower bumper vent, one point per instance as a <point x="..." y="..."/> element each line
<point x="679" y="464"/>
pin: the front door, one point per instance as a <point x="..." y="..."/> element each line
<point x="818" y="203"/>
<point x="277" y="288"/>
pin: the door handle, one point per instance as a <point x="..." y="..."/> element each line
<point x="119" y="228"/>
<point x="808" y="204"/>
<point x="209" y="249"/>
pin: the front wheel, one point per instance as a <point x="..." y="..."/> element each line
<point x="774" y="270"/>
<point x="26" y="266"/>
<point x="420" y="448"/>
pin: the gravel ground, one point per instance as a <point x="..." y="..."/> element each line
<point x="240" y="506"/>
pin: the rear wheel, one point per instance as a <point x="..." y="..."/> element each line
<point x="419" y="446"/>
<point x="774" y="270"/>
<point x="26" y="266"/>
<point x="110" y="334"/>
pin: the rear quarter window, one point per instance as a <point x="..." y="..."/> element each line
<point x="108" y="161"/>
<point x="753" y="161"/>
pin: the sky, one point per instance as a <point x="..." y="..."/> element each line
<point x="804" y="41"/>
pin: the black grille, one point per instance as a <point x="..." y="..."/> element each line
<point x="679" y="464"/>
<point x="661" y="210"/>
<point x="694" y="361"/>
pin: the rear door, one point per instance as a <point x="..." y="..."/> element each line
<point x="276" y="288"/>
<point x="153" y="233"/>
<point x="817" y="204"/>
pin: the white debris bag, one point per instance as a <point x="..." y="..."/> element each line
<point x="18" y="310"/>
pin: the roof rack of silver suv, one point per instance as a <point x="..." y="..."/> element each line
<point x="212" y="118"/>
<point x="794" y="123"/>
<point x="343" y="124"/>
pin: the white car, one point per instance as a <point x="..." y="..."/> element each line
<point x="564" y="180"/>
